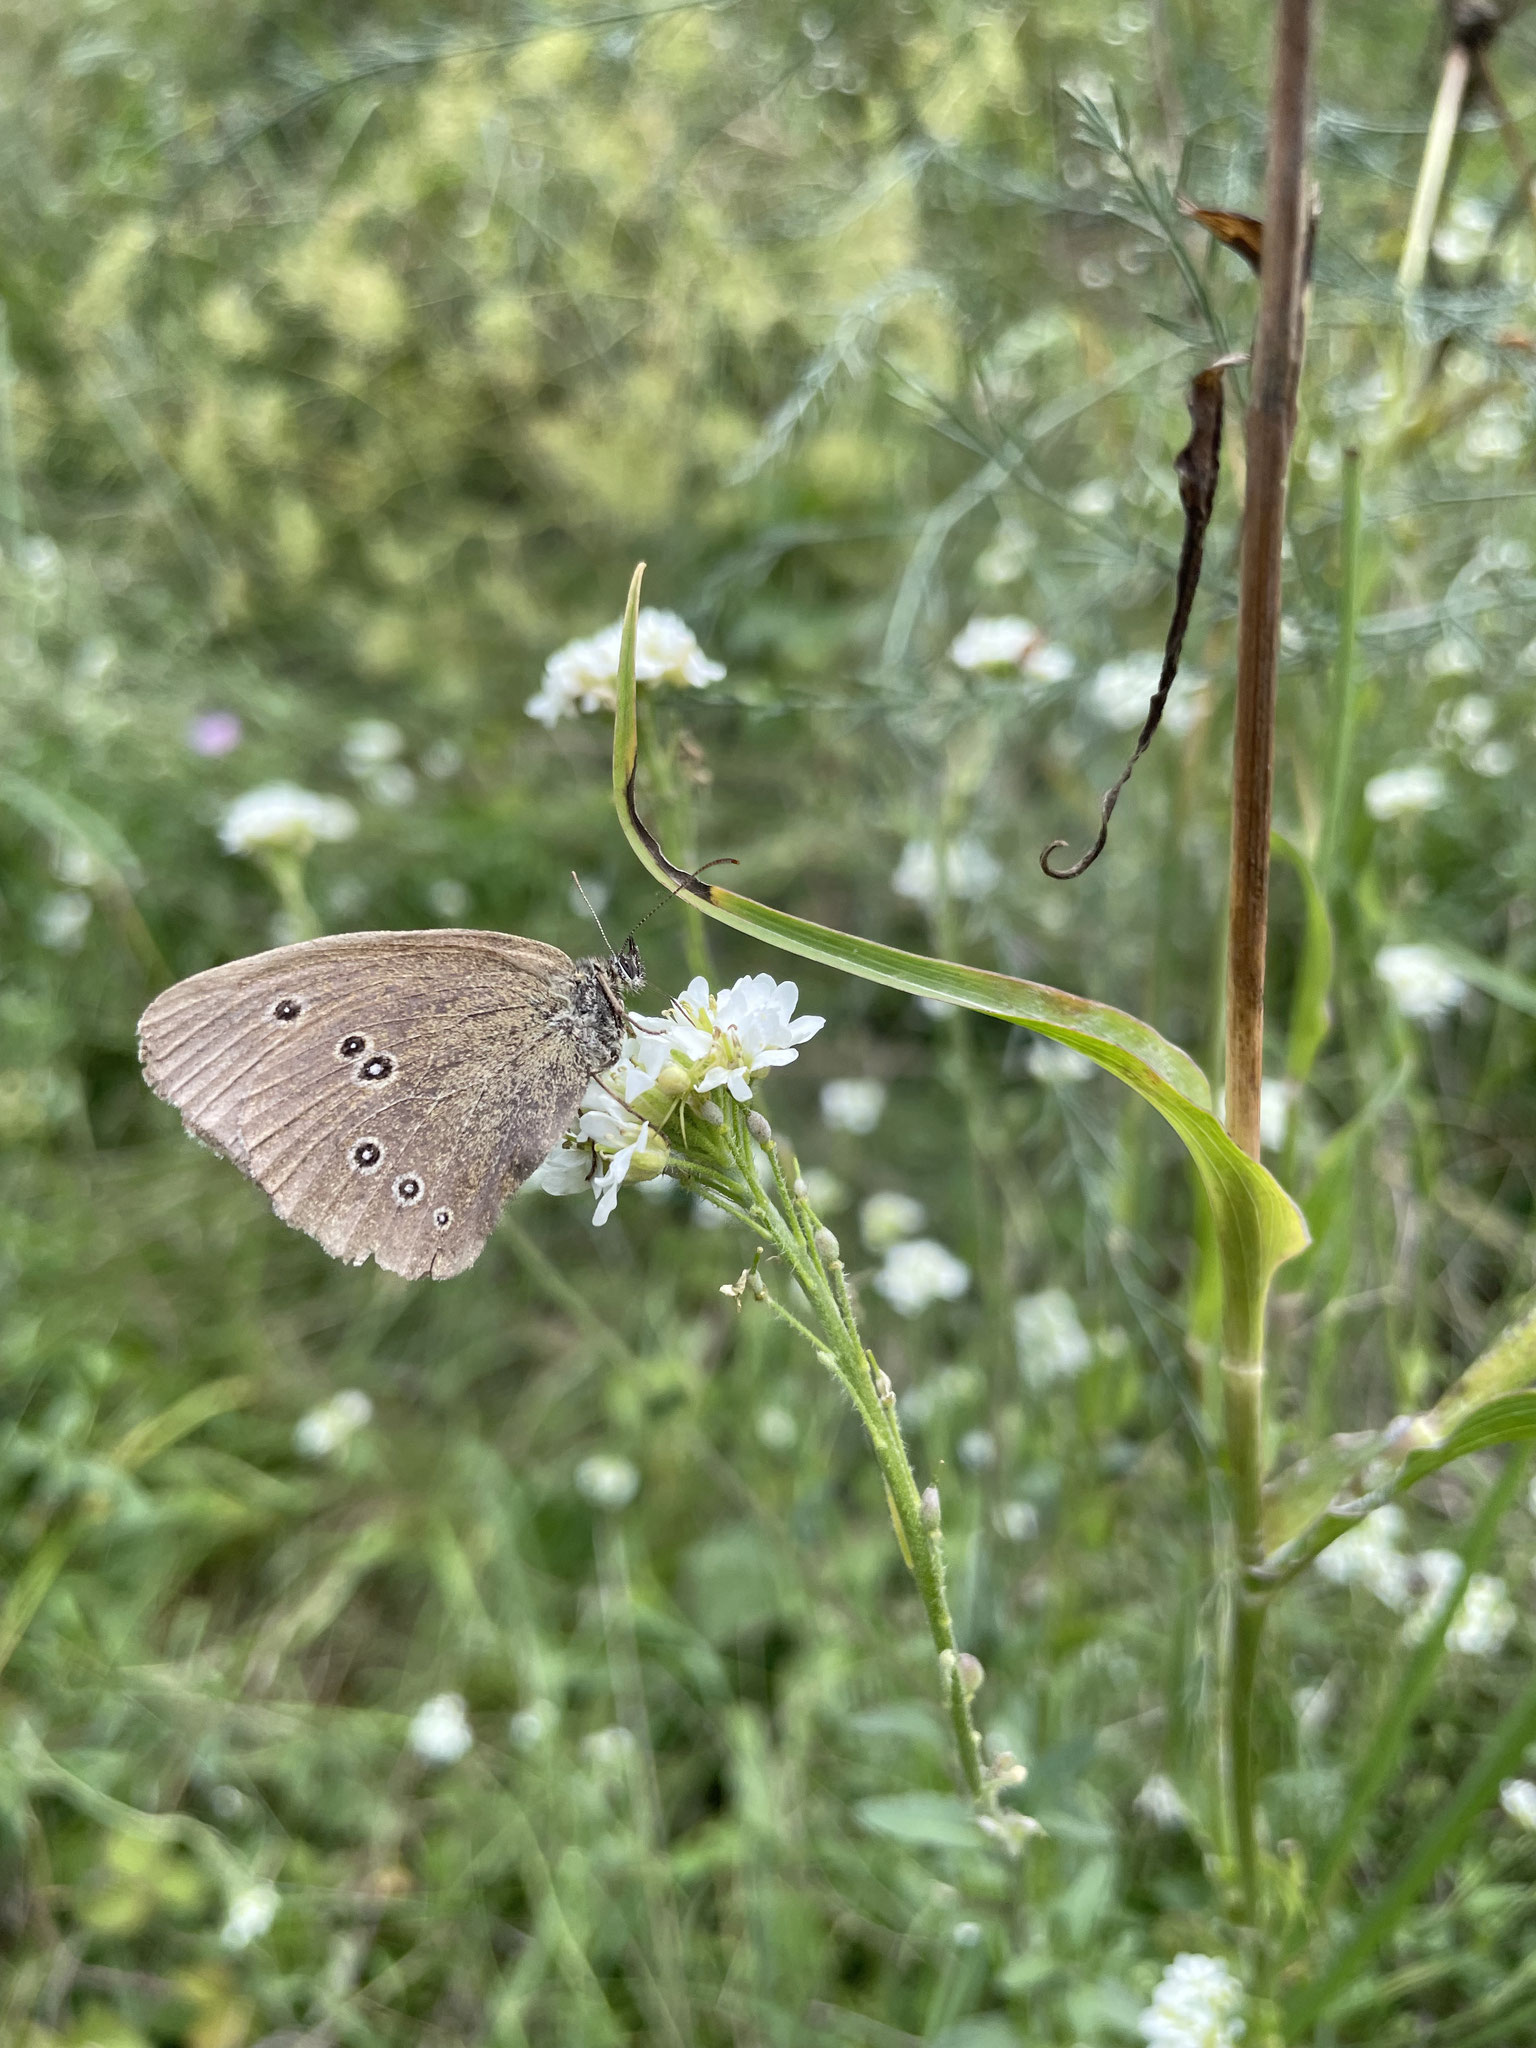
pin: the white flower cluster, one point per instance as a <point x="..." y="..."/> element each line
<point x="279" y="817"/>
<point x="1159" y="1802"/>
<point x="969" y="871"/>
<point x="1406" y="792"/>
<point x="888" y="1216"/>
<point x="703" y="1042"/>
<point x="1121" y="693"/>
<point x="919" y="1272"/>
<point x="855" y="1104"/>
<point x="1277" y="1098"/>
<point x="1368" y="1556"/>
<point x="1010" y="646"/>
<point x="329" y="1428"/>
<point x="1421" y="1586"/>
<point x="440" y="1732"/>
<point x="250" y="1915"/>
<point x="1197" y="2004"/>
<point x="1467" y="725"/>
<point x="1517" y="1796"/>
<point x="583" y="675"/>
<point x="1422" y="983"/>
<point x="1057" y="1065"/>
<point x="606" y="1481"/>
<point x="1050" y="1339"/>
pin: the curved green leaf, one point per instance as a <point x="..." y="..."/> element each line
<point x="1257" y="1224"/>
<point x="1492" y="1404"/>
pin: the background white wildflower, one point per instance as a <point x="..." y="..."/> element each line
<point x="920" y="1272"/>
<point x="583" y="675"/>
<point x="1368" y="1555"/>
<point x="1197" y="2004"/>
<point x="606" y="1481"/>
<point x="1017" y="1520"/>
<point x="532" y="1724"/>
<point x="326" y="1429"/>
<point x="1421" y="982"/>
<point x="1049" y="1336"/>
<point x="1484" y="1620"/>
<point x="856" y="1104"/>
<point x="776" y="1429"/>
<point x="1277" y="1098"/>
<point x="1120" y="694"/>
<point x="61" y="919"/>
<point x="1517" y="1796"/>
<point x="369" y="743"/>
<point x="249" y="1916"/>
<point x="1158" y="1801"/>
<point x="448" y="898"/>
<point x="977" y="1450"/>
<point x="1434" y="1576"/>
<point x="1494" y="758"/>
<point x="1010" y="644"/>
<point x="283" y="818"/>
<point x="1406" y="792"/>
<point x="1057" y="1065"/>
<point x="888" y="1216"/>
<point x="969" y="871"/>
<point x="440" y="1732"/>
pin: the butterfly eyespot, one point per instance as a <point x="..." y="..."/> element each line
<point x="408" y="1190"/>
<point x="377" y="1067"/>
<point x="366" y="1154"/>
<point x="286" y="1010"/>
<point x="351" y="1046"/>
<point x="442" y="1218"/>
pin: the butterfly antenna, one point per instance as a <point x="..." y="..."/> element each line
<point x="595" y="918"/>
<point x="724" y="860"/>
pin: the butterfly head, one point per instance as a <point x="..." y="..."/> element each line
<point x="626" y="968"/>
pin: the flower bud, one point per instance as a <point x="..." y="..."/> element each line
<point x="799" y="1189"/>
<point x="930" y="1508"/>
<point x="970" y="1673"/>
<point x="709" y="1112"/>
<point x="665" y="1092"/>
<point x="1008" y="1829"/>
<point x="760" y="1127"/>
<point x="653" y="1160"/>
<point x="827" y="1246"/>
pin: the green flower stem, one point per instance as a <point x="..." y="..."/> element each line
<point x="790" y="1228"/>
<point x="285" y="871"/>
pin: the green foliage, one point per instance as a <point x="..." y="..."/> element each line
<point x="348" y="366"/>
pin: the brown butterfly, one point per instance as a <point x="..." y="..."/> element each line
<point x="389" y="1090"/>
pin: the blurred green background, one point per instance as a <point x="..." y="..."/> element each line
<point x="352" y="359"/>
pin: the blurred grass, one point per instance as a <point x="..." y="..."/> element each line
<point x="350" y="365"/>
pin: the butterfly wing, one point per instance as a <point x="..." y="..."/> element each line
<point x="388" y="1090"/>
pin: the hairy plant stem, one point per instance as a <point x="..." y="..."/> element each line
<point x="789" y="1227"/>
<point x="1270" y="426"/>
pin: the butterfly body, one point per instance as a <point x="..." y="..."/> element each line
<point x="389" y="1090"/>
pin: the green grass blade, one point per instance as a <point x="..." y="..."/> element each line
<point x="1257" y="1224"/>
<point x="1388" y="1741"/>
<point x="1310" y="1019"/>
<point x="1439" y="1842"/>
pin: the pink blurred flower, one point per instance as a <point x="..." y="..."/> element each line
<point x="214" y="733"/>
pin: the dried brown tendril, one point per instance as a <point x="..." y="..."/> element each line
<point x="1197" y="466"/>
